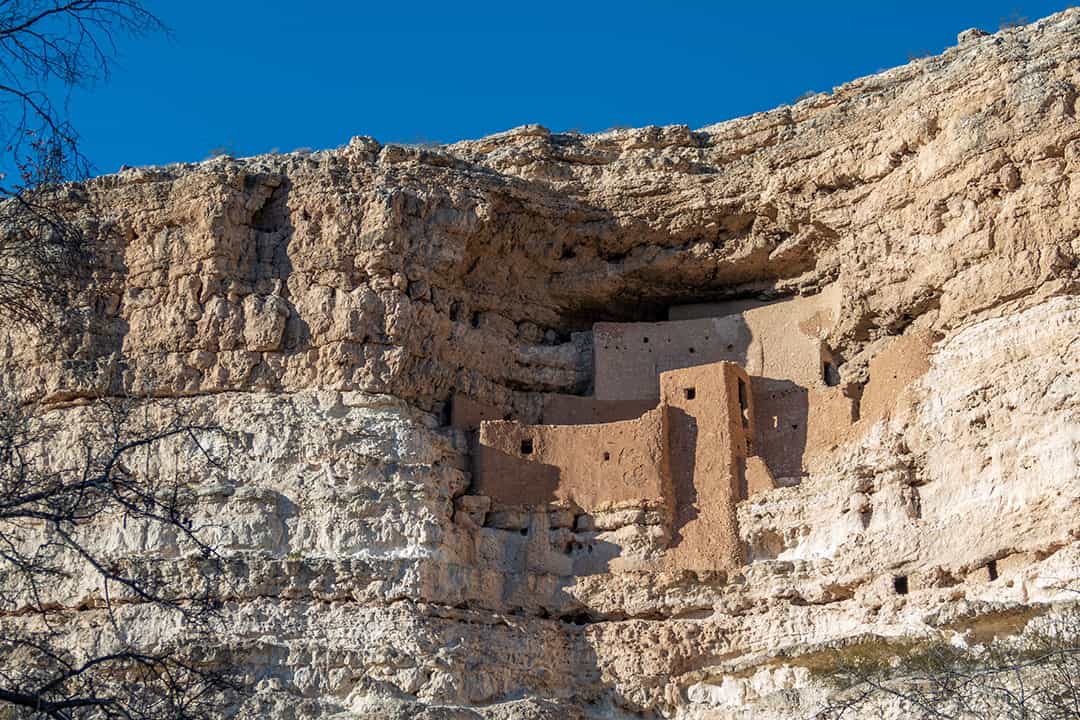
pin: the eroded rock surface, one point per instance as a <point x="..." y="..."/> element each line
<point x="329" y="305"/>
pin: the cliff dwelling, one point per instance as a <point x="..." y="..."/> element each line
<point x="686" y="418"/>
<point x="660" y="423"/>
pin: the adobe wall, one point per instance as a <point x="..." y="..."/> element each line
<point x="629" y="357"/>
<point x="467" y="413"/>
<point x="687" y="456"/>
<point x="792" y="412"/>
<point x="798" y="415"/>
<point x="593" y="467"/>
<point x="899" y="363"/>
<point x="577" y="410"/>
<point x="710" y="431"/>
<point x="784" y="336"/>
<point x="780" y="340"/>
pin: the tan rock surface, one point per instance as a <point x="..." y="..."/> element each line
<point x="327" y="305"/>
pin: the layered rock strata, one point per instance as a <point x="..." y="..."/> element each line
<point x="328" y="305"/>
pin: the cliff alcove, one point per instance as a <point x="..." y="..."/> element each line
<point x="633" y="424"/>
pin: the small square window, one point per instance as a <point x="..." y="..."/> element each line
<point x="690" y="393"/>
<point x="900" y="584"/>
<point x="607" y="455"/>
<point x="527" y="446"/>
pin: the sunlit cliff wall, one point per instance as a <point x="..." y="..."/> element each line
<point x="328" y="305"/>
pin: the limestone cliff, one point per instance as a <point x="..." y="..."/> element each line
<point x="330" y="305"/>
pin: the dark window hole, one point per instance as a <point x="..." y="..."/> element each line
<point x="475" y="319"/>
<point x="690" y="393"/>
<point x="744" y="403"/>
<point x="830" y="374"/>
<point x="991" y="569"/>
<point x="645" y="340"/>
<point x="691" y="351"/>
<point x="900" y="584"/>
<point x="524" y="531"/>
<point x="579" y="618"/>
<point x="527" y="446"/>
<point x="607" y="456"/>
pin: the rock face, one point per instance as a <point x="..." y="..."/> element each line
<point x="329" y="306"/>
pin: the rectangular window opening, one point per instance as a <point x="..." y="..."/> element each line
<point x="690" y="393"/>
<point x="744" y="403"/>
<point x="527" y="446"/>
<point x="900" y="584"/>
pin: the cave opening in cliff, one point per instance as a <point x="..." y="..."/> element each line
<point x="582" y="317"/>
<point x="660" y="305"/>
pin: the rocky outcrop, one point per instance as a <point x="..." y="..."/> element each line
<point x="327" y="306"/>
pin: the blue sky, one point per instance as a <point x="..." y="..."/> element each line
<point x="253" y="76"/>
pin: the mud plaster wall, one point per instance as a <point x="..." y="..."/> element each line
<point x="798" y="417"/>
<point x="710" y="431"/>
<point x="578" y="410"/>
<point x="779" y="343"/>
<point x="467" y="413"/>
<point x="687" y="456"/>
<point x="782" y="339"/>
<point x="629" y="357"/>
<point x="592" y="467"/>
<point x="902" y="361"/>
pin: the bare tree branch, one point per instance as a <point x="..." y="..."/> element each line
<point x="48" y="48"/>
<point x="50" y="503"/>
<point x="1032" y="677"/>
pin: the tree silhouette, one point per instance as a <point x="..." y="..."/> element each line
<point x="47" y="49"/>
<point x="68" y="648"/>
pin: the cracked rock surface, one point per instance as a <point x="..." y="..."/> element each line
<point x="327" y="305"/>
